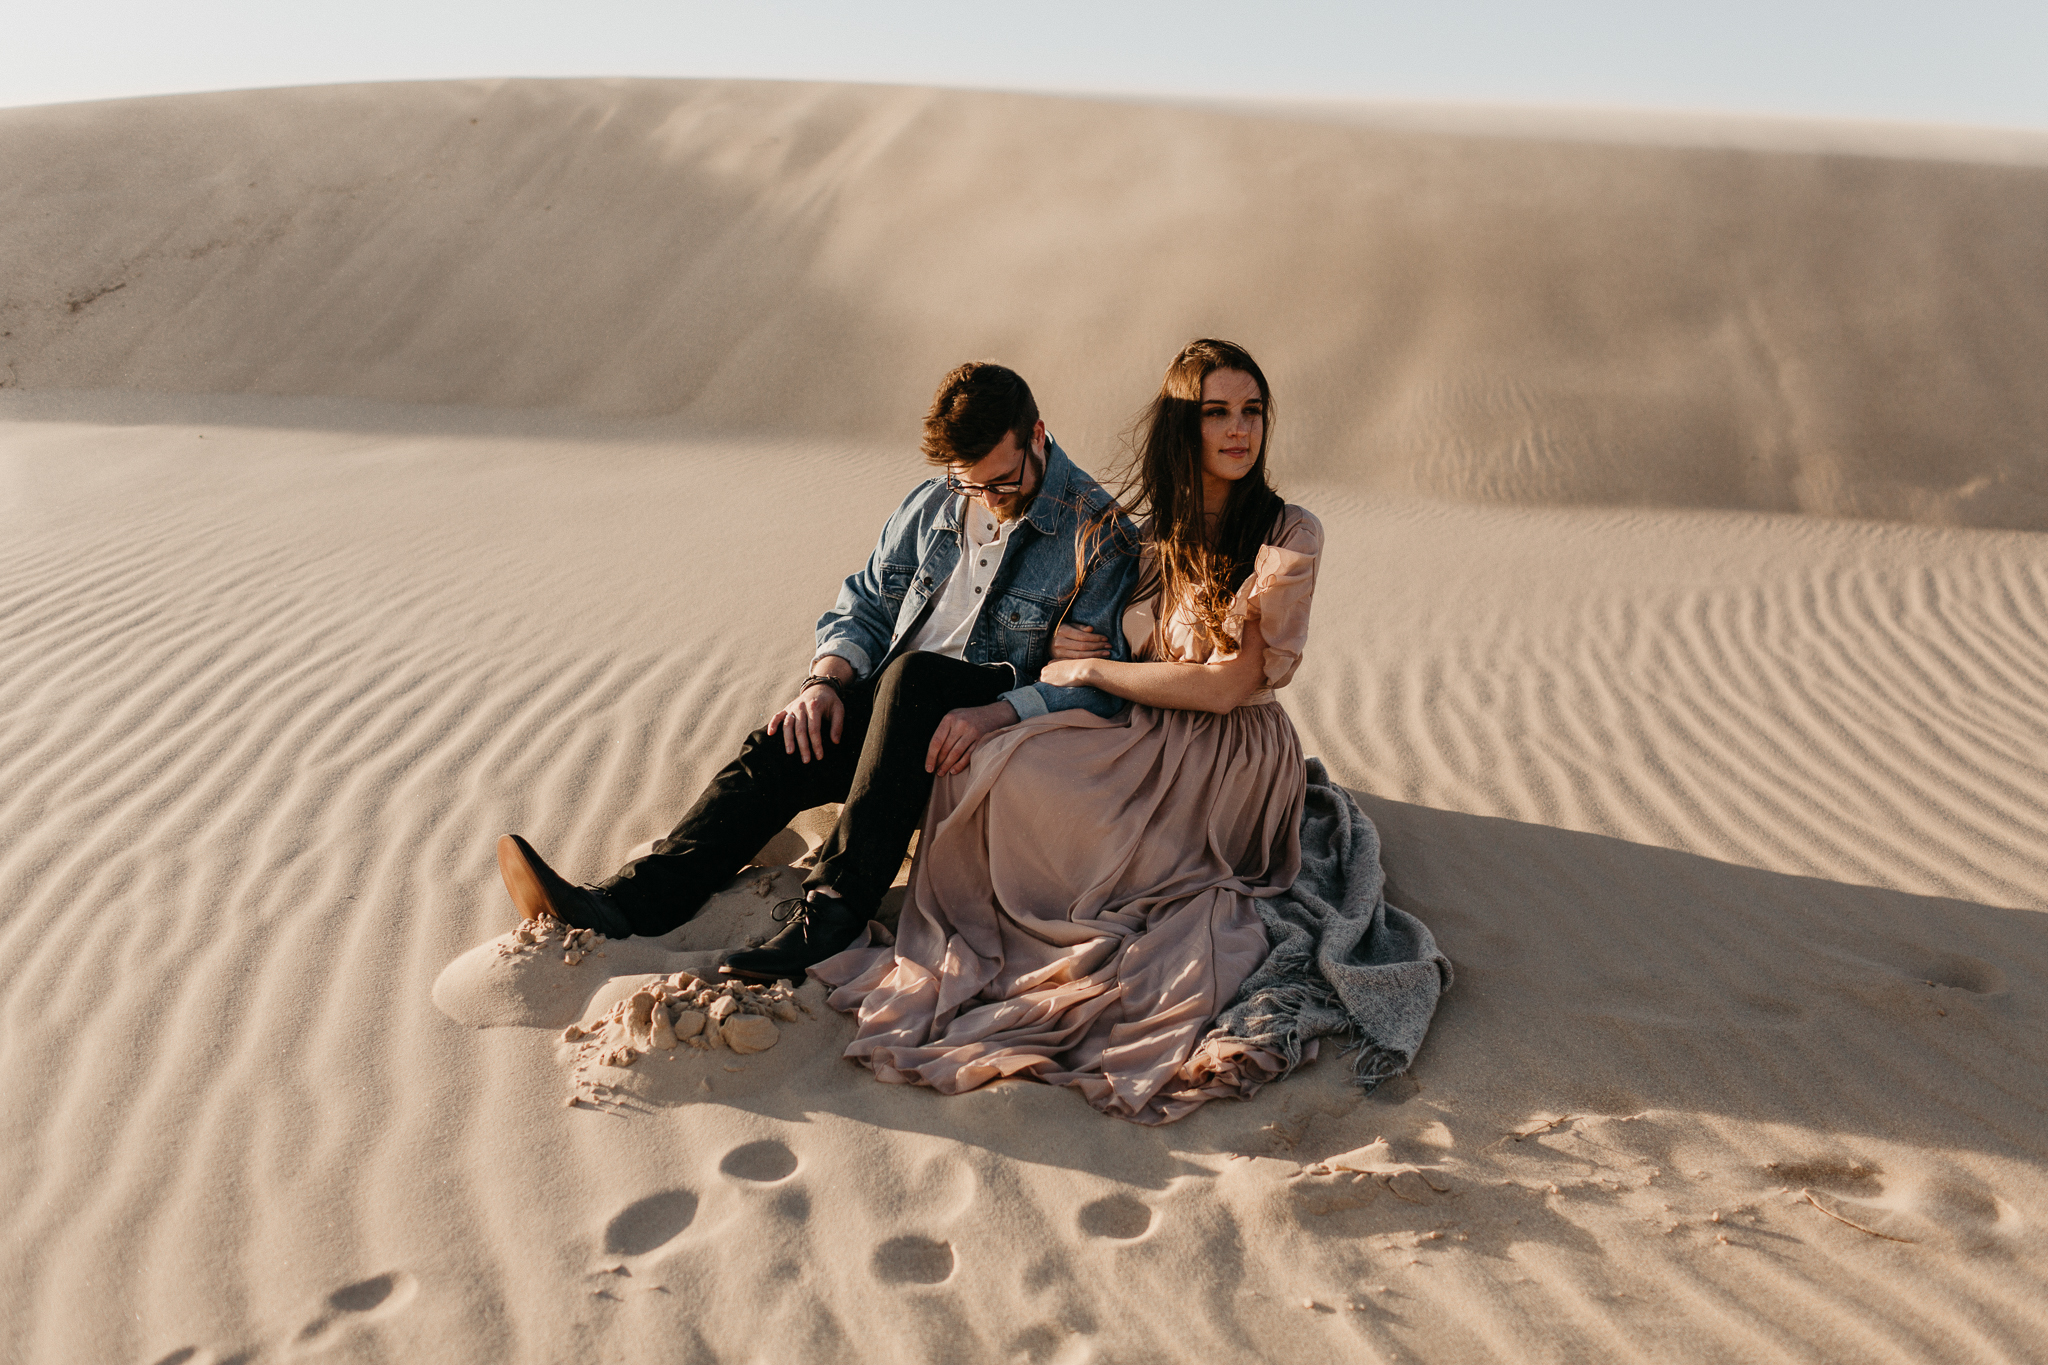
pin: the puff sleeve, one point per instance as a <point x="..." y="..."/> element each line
<point x="1278" y="592"/>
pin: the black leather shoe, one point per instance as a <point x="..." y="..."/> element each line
<point x="818" y="927"/>
<point x="538" y="889"/>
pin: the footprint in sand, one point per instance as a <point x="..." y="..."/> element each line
<point x="763" y="1162"/>
<point x="1120" y="1217"/>
<point x="913" y="1260"/>
<point x="364" y="1301"/>
<point x="648" y="1223"/>
<point x="768" y="1162"/>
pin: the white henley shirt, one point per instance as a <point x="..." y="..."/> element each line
<point x="950" y="622"/>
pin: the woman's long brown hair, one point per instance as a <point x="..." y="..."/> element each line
<point x="1163" y="484"/>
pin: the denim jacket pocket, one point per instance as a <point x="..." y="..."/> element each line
<point x="896" y="581"/>
<point x="1024" y="623"/>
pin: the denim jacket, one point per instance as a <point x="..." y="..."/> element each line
<point x="1034" y="590"/>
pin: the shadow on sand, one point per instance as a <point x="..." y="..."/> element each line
<point x="1596" y="976"/>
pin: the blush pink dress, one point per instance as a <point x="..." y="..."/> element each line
<point x="1080" y="907"/>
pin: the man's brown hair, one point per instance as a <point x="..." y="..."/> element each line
<point x="974" y="406"/>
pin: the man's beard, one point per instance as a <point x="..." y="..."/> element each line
<point x="1014" y="506"/>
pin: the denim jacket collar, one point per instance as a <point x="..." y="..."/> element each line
<point x="1046" y="508"/>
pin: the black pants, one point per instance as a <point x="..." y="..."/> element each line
<point x="877" y="769"/>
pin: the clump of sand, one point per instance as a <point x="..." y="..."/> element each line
<point x="679" y="1011"/>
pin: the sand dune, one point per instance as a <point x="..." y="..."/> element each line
<point x="412" y="512"/>
<point x="1512" y="319"/>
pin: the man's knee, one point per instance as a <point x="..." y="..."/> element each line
<point x="764" y="755"/>
<point x="759" y="741"/>
<point x="911" y="672"/>
<point x="914" y="691"/>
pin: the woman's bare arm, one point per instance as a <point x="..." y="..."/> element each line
<point x="1184" y="687"/>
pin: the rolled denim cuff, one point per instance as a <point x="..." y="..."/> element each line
<point x="847" y="650"/>
<point x="1026" y="700"/>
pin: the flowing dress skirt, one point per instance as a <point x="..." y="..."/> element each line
<point x="1080" y="909"/>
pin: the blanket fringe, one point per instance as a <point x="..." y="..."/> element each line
<point x="1277" y="1018"/>
<point x="1342" y="960"/>
<point x="1375" y="1066"/>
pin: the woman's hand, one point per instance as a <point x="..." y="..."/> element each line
<point x="1067" y="673"/>
<point x="1078" y="642"/>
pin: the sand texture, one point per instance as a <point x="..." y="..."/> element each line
<point x="385" y="468"/>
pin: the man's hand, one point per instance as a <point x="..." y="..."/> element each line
<point x="804" y="723"/>
<point x="1079" y="642"/>
<point x="961" y="733"/>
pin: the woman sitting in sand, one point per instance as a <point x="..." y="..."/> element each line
<point x="1081" y="904"/>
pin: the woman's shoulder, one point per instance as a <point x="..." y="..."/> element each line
<point x="1298" y="529"/>
<point x="1286" y="563"/>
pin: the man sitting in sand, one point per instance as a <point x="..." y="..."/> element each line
<point x="931" y="647"/>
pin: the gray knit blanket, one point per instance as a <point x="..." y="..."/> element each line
<point x="1343" y="960"/>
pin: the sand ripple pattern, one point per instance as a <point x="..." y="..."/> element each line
<point x="1865" y="703"/>
<point x="264" y="706"/>
<point x="252" y="740"/>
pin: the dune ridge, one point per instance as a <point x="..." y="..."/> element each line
<point x="332" y="551"/>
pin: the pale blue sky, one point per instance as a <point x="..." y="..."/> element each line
<point x="1961" y="61"/>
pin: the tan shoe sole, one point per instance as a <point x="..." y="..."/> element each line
<point x="520" y="882"/>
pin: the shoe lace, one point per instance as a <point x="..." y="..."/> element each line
<point x="795" y="910"/>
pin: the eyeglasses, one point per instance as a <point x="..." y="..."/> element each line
<point x="1002" y="488"/>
